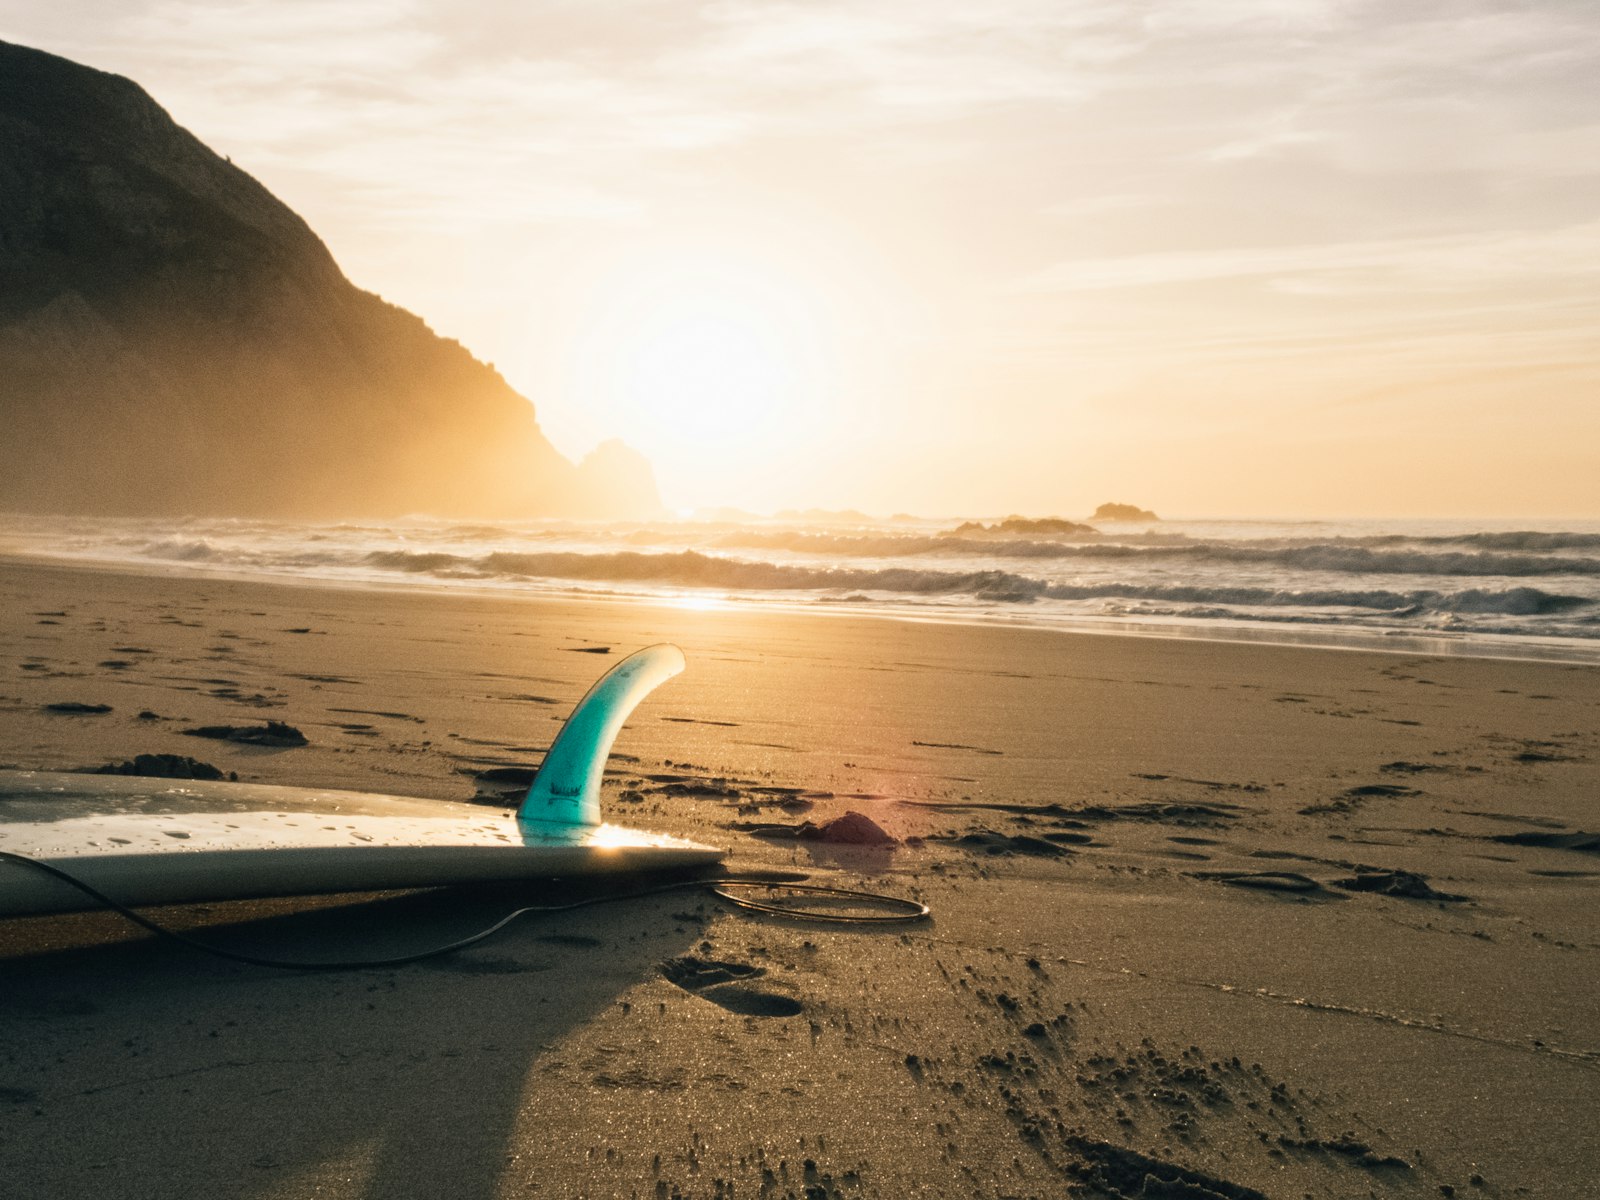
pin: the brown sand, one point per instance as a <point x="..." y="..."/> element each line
<point x="1102" y="996"/>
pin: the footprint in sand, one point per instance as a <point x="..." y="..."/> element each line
<point x="724" y="984"/>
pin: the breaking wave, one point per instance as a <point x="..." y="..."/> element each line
<point x="690" y="568"/>
<point x="1466" y="583"/>
<point x="180" y="551"/>
<point x="1334" y="555"/>
<point x="1342" y="556"/>
<point x="1521" y="539"/>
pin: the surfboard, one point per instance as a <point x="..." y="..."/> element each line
<point x="162" y="841"/>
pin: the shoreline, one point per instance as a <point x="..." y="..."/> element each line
<point x="1311" y="635"/>
<point x="1242" y="916"/>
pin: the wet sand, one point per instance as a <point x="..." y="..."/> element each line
<point x="1244" y="919"/>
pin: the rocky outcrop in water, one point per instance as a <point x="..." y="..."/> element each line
<point x="1022" y="527"/>
<point x="1123" y="512"/>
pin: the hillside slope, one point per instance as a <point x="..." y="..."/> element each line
<point x="175" y="339"/>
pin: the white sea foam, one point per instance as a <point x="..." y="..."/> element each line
<point x="1475" y="584"/>
<point x="178" y="550"/>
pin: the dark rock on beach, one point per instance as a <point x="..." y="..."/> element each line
<point x="164" y="766"/>
<point x="851" y="829"/>
<point x="273" y="733"/>
<point x="1110" y="1170"/>
<point x="1407" y="884"/>
<point x="1588" y="843"/>
<point x="987" y="841"/>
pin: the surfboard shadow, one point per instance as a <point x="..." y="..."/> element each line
<point x="132" y="1067"/>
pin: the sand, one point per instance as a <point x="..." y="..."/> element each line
<point x="1190" y="936"/>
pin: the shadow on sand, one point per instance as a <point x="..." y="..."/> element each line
<point x="132" y="1067"/>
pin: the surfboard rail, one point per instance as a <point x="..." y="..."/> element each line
<point x="157" y="841"/>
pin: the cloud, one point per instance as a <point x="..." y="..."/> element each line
<point x="1054" y="182"/>
<point x="1479" y="260"/>
<point x="606" y="105"/>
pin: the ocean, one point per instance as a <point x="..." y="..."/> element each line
<point x="1500" y="589"/>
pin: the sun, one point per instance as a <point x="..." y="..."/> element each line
<point x="705" y="362"/>
<point x="707" y="371"/>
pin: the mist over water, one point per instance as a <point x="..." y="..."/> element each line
<point x="1463" y="587"/>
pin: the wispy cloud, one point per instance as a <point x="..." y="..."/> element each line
<point x="600" y="101"/>
<point x="1479" y="260"/>
<point x="1062" y="190"/>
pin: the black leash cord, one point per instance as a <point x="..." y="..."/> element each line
<point x="254" y="960"/>
<point x="906" y="911"/>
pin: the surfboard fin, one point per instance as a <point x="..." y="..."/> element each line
<point x="566" y="792"/>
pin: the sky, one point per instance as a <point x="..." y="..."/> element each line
<point x="1212" y="257"/>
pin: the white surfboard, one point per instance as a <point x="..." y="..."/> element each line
<point x="163" y="841"/>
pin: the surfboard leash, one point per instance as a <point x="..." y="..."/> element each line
<point x="899" y="911"/>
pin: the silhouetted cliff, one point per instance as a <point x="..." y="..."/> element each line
<point x="174" y="339"/>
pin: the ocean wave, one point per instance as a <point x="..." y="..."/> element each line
<point x="1337" y="555"/>
<point x="1536" y="541"/>
<point x="1539" y="541"/>
<point x="1517" y="601"/>
<point x="174" y="550"/>
<point x="1448" y="579"/>
<point x="690" y="568"/>
<point x="1363" y="560"/>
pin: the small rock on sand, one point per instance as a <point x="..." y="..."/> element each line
<point x="1588" y="843"/>
<point x="273" y="733"/>
<point x="1407" y="884"/>
<point x="987" y="841"/>
<point x="852" y="829"/>
<point x="163" y="766"/>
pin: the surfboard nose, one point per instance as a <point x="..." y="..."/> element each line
<point x="566" y="792"/>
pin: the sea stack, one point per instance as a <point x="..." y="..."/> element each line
<point x="1123" y="512"/>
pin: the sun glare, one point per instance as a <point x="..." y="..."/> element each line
<point x="710" y="373"/>
<point x="707" y="363"/>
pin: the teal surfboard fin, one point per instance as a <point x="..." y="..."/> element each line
<point x="566" y="792"/>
